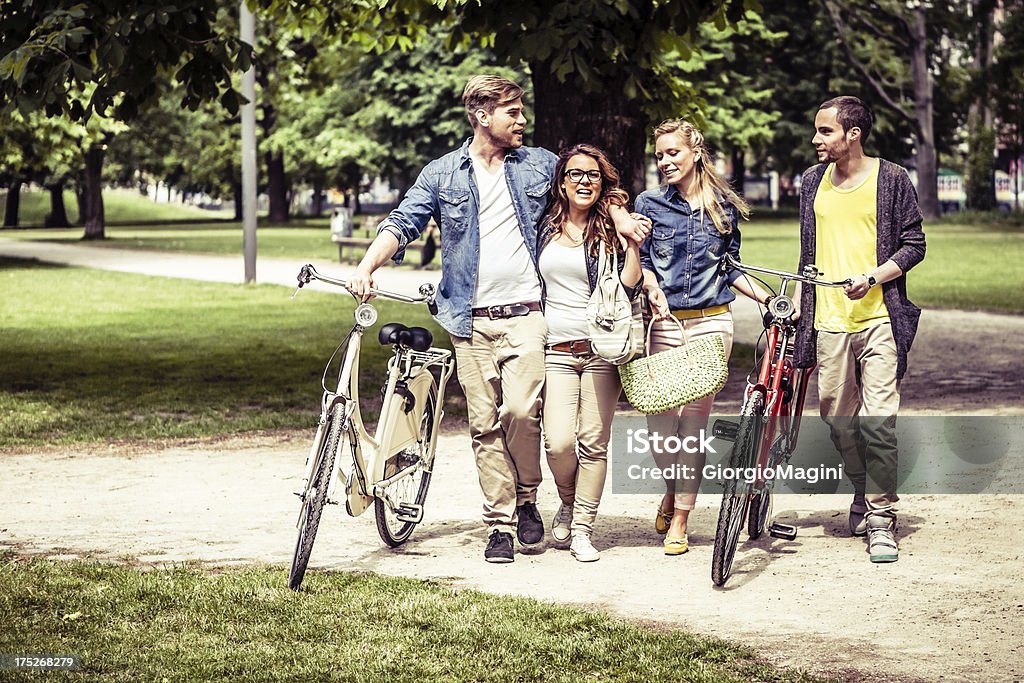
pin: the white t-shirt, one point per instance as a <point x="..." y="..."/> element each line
<point x="506" y="274"/>
<point x="564" y="270"/>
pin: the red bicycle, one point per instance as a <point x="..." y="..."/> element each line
<point x="766" y="434"/>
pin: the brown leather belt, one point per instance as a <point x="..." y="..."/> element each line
<point x="507" y="311"/>
<point x="577" y="347"/>
<point x="701" y="312"/>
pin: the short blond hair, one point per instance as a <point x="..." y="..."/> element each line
<point x="488" y="92"/>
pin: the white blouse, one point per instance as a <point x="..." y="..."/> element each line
<point x="564" y="270"/>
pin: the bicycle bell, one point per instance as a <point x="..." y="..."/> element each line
<point x="366" y="315"/>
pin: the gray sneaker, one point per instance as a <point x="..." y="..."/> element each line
<point x="582" y="549"/>
<point x="882" y="539"/>
<point x="561" y="525"/>
<point x="858" y="508"/>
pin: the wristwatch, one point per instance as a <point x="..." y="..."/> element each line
<point x="871" y="280"/>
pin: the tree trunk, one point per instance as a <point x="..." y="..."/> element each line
<point x="567" y="116"/>
<point x="277" y="187"/>
<point x="927" y="173"/>
<point x="13" y="204"/>
<point x="236" y="193"/>
<point x="92" y="194"/>
<point x="58" y="217"/>
<point x="318" y="197"/>
<point x="981" y="173"/>
<point x="981" y="181"/>
<point x="739" y="169"/>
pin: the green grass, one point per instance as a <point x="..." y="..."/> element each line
<point x="119" y="206"/>
<point x="977" y="265"/>
<point x="187" y="624"/>
<point x="299" y="243"/>
<point x="94" y="355"/>
<point x="970" y="266"/>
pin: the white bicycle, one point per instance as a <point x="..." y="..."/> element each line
<point x="390" y="470"/>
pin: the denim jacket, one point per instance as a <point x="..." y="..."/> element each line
<point x="446" y="191"/>
<point x="682" y="250"/>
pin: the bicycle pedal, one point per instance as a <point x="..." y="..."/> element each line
<point x="725" y="429"/>
<point x="783" y="531"/>
<point x="410" y="513"/>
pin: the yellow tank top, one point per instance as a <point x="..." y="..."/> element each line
<point x="846" y="237"/>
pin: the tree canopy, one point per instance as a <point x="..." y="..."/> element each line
<point x="53" y="50"/>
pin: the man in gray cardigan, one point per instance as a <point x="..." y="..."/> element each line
<point x="859" y="219"/>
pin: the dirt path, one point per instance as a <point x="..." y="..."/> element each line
<point x="953" y="605"/>
<point x="951" y="609"/>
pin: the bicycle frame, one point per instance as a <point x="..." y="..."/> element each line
<point x="397" y="427"/>
<point x="783" y="386"/>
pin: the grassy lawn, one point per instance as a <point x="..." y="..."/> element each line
<point x="120" y="206"/>
<point x="186" y="624"/>
<point x="970" y="266"/>
<point x="94" y="355"/>
<point x="977" y="265"/>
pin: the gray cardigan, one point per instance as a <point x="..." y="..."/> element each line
<point x="900" y="238"/>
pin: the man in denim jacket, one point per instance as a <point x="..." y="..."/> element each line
<point x="488" y="197"/>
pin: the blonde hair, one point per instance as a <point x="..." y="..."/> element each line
<point x="599" y="229"/>
<point x="488" y="92"/>
<point x="714" y="190"/>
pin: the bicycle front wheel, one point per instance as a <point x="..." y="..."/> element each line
<point x="760" y="507"/>
<point x="400" y="506"/>
<point x="736" y="496"/>
<point x="315" y="497"/>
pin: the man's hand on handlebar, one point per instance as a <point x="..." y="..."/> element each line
<point x="858" y="287"/>
<point x="360" y="284"/>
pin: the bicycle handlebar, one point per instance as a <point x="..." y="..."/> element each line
<point x="810" y="275"/>
<point x="308" y="273"/>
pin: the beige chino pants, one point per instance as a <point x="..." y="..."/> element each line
<point x="501" y="370"/>
<point x="580" y="396"/>
<point x="860" y="397"/>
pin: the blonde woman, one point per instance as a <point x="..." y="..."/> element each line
<point x="694" y="216"/>
<point x="580" y="390"/>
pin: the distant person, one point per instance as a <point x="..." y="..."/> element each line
<point x="582" y="389"/>
<point x="341" y="222"/>
<point x="695" y="219"/>
<point x="859" y="218"/>
<point x="487" y="199"/>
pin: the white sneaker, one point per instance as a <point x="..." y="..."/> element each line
<point x="562" y="523"/>
<point x="582" y="549"/>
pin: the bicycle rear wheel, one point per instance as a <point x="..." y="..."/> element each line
<point x="315" y="496"/>
<point x="396" y="521"/>
<point x="736" y="496"/>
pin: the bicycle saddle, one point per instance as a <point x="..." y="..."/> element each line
<point x="416" y="338"/>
